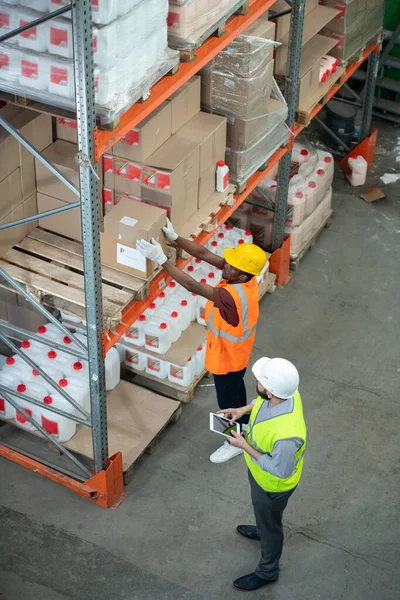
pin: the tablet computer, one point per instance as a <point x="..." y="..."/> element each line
<point x="222" y="426"/>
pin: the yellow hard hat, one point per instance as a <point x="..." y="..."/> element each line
<point x="246" y="257"/>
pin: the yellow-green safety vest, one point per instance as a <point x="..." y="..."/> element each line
<point x="264" y="432"/>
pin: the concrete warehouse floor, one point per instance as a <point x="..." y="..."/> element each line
<point x="174" y="536"/>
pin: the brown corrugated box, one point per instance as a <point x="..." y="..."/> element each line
<point x="209" y="131"/>
<point x="127" y="176"/>
<point x="13" y="235"/>
<point x="66" y="130"/>
<point x="241" y="97"/>
<point x="10" y="193"/>
<point x="126" y="223"/>
<point x="262" y="28"/>
<point x="244" y="132"/>
<point x="9" y="153"/>
<point x="149" y="135"/>
<point x="283" y="23"/>
<point x="185" y="103"/>
<point x="68" y="224"/>
<point x="207" y="184"/>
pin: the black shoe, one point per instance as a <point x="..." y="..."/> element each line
<point x="251" y="582"/>
<point x="248" y="531"/>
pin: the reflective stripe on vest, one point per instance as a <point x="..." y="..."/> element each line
<point x="245" y="320"/>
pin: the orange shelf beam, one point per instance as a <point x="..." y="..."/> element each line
<point x="159" y="282"/>
<point x="169" y="84"/>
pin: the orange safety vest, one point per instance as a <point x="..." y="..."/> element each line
<point x="229" y="348"/>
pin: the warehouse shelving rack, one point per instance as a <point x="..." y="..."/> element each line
<point x="103" y="481"/>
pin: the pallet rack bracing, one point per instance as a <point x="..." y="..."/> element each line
<point x="103" y="481"/>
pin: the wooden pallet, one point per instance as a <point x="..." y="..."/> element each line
<point x="295" y="260"/>
<point x="303" y="116"/>
<point x="51" y="269"/>
<point x="163" y="386"/>
<point x="218" y="29"/>
<point x="359" y="55"/>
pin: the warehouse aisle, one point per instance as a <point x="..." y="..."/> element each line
<point x="174" y="537"/>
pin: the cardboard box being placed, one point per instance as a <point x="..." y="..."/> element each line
<point x="37" y="129"/>
<point x="185" y="103"/>
<point x="68" y="224"/>
<point x="126" y="223"/>
<point x="241" y="97"/>
<point x="209" y="131"/>
<point x="66" y="130"/>
<point x="149" y="135"/>
<point x="171" y="176"/>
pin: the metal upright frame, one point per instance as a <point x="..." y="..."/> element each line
<point x="104" y="483"/>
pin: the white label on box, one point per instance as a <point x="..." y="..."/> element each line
<point x="130" y="258"/>
<point x="128" y="221"/>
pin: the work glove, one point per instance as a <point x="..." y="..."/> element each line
<point x="170" y="232"/>
<point x="152" y="250"/>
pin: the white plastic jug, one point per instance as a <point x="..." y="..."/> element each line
<point x="33" y="71"/>
<point x="52" y="371"/>
<point x="157" y="336"/>
<point x="135" y="359"/>
<point x="50" y="332"/>
<point x="31" y="409"/>
<point x="17" y="365"/>
<point x="135" y="334"/>
<point x="296" y="209"/>
<point x="357" y="168"/>
<point x="201" y="307"/>
<point x="326" y="161"/>
<point x="11" y="380"/>
<point x="157" y="367"/>
<point x="60" y="37"/>
<point x="112" y="368"/>
<point x="173" y="319"/>
<point x="193" y="306"/>
<point x="74" y="387"/>
<point x="36" y="351"/>
<point x="300" y="154"/>
<point x="8" y="21"/>
<point x="59" y="427"/>
<point x="182" y="375"/>
<point x="313" y="195"/>
<point x="35" y="38"/>
<point x="200" y="358"/>
<point x="61" y="78"/>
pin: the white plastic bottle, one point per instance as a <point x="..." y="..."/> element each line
<point x="182" y="374"/>
<point x="157" y="336"/>
<point x="173" y="319"/>
<point x="157" y="367"/>
<point x="17" y="366"/>
<point x="28" y="407"/>
<point x="59" y="427"/>
<point x="324" y="72"/>
<point x="215" y="247"/>
<point x="193" y="300"/>
<point x="185" y="313"/>
<point x="135" y="359"/>
<point x="80" y="393"/>
<point x="135" y="334"/>
<point x="357" y="168"/>
<point x="325" y="160"/>
<point x="201" y="307"/>
<point x="35" y="38"/>
<point x="222" y="176"/>
<point x="36" y="352"/>
<point x="9" y="379"/>
<point x="112" y="368"/>
<point x="50" y="332"/>
<point x="60" y="37"/>
<point x="300" y="154"/>
<point x="322" y="179"/>
<point x="296" y="208"/>
<point x="200" y="358"/>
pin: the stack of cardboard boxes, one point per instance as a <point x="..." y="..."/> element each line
<point x="169" y="160"/>
<point x="238" y="84"/>
<point x="357" y="22"/>
<point x="17" y="171"/>
<point x="314" y="46"/>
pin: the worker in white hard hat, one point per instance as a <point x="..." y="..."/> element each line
<point x="274" y="446"/>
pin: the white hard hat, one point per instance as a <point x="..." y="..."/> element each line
<point x="278" y="376"/>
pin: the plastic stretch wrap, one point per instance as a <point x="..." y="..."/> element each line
<point x="240" y="97"/>
<point x="356" y="24"/>
<point x="245" y="56"/>
<point x="190" y="22"/>
<point x="40" y="65"/>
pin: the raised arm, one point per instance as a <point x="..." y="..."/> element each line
<point x="192" y="248"/>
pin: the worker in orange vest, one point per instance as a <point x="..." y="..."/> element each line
<point x="231" y="315"/>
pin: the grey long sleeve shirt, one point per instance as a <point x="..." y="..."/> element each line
<point x="281" y="463"/>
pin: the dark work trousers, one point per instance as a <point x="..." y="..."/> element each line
<point x="231" y="391"/>
<point x="268" y="510"/>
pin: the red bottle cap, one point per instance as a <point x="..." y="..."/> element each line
<point x="189" y="359"/>
<point x="152" y="306"/>
<point x="273" y="187"/>
<point x="21" y="387"/>
<point x="35" y="373"/>
<point x="241" y="242"/>
<point x="52" y="354"/>
<point x="78" y="365"/>
<point x="162" y="295"/>
<point x="41" y="329"/>
<point x="10" y="360"/>
<point x="163" y="326"/>
<point x="211" y="275"/>
<point x="63" y="382"/>
<point x="221" y="163"/>
<point x="142" y="318"/>
<point x="228" y="227"/>
<point x="47" y="400"/>
<point x="328" y="159"/>
<point x="214" y="244"/>
<point x="248" y="232"/>
<point x="312" y="184"/>
<point x="204" y="280"/>
<point x="304" y="152"/>
<point x="320" y="172"/>
<point x="221" y="235"/>
<point x="172" y="284"/>
<point x="184" y="303"/>
<point x="174" y="314"/>
<point x="198" y="261"/>
<point x="299" y="195"/>
<point x="67" y="340"/>
<point x="190" y="269"/>
<point x="200" y="348"/>
<point x="194" y="295"/>
<point x="25" y="344"/>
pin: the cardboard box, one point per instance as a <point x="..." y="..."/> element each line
<point x="262" y="28"/>
<point x="171" y="176"/>
<point x="68" y="224"/>
<point x="209" y="131"/>
<point x="283" y="23"/>
<point x="66" y="130"/>
<point x="108" y="171"/>
<point x="185" y="103"/>
<point x="311" y="53"/>
<point x="62" y="155"/>
<point x="127" y="176"/>
<point x="207" y="185"/>
<point x="241" y="97"/>
<point x="241" y="133"/>
<point x="126" y="223"/>
<point x="10" y="193"/>
<point x="10" y="237"/>
<point x="37" y="129"/>
<point x="9" y="153"/>
<point x="149" y="135"/>
<point x="30" y="208"/>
